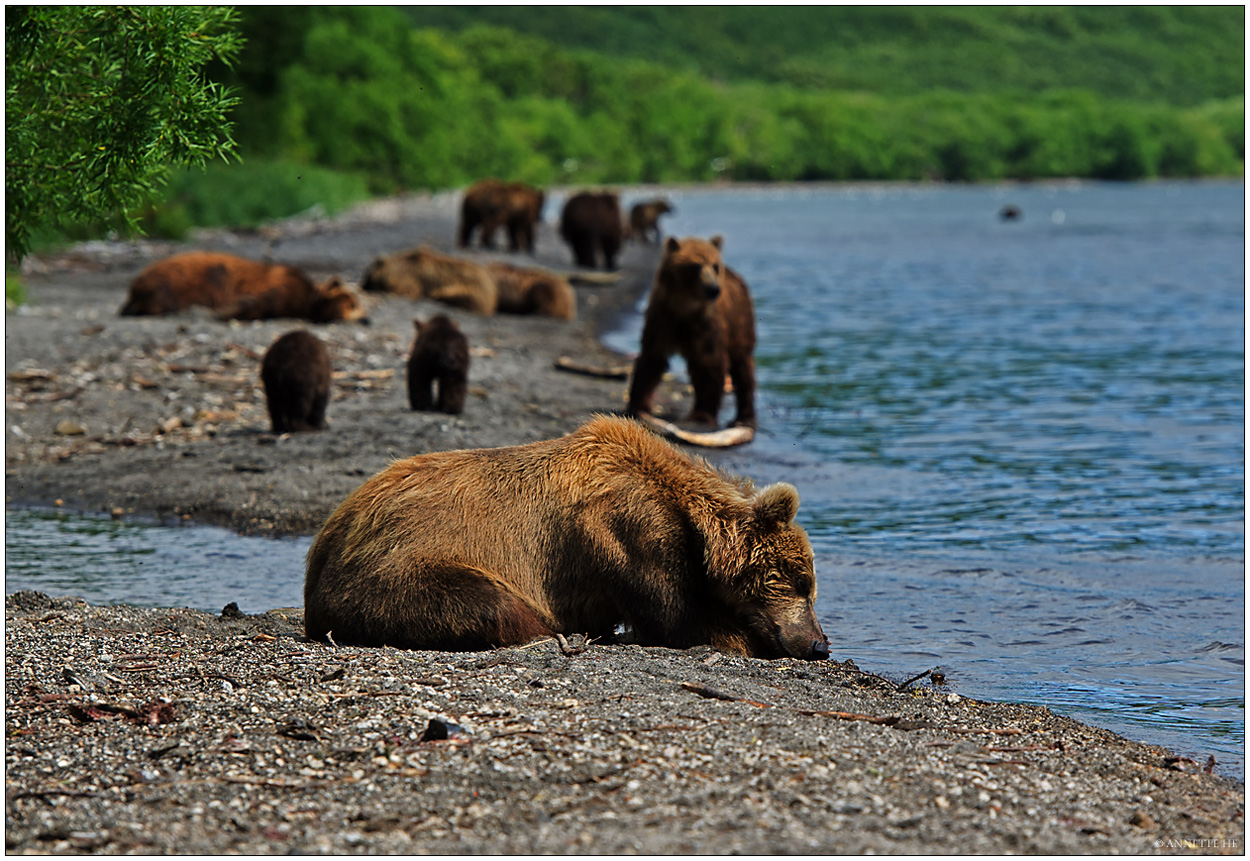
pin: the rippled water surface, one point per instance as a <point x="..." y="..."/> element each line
<point x="1020" y="445"/>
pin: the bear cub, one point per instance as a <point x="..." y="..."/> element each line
<point x="440" y="354"/>
<point x="295" y="373"/>
<point x="702" y="309"/>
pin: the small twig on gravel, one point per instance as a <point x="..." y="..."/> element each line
<point x="568" y="650"/>
<point x="714" y="694"/>
<point x="46" y="793"/>
<point x="935" y="673"/>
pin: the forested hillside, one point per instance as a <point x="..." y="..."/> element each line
<point x="342" y="102"/>
<point x="1180" y="55"/>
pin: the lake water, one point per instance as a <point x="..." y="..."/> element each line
<point x="1019" y="445"/>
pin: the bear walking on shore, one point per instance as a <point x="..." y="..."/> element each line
<point x="491" y="204"/>
<point x="702" y="309"/>
<point x="591" y="224"/>
<point x="295" y="373"/>
<point x="440" y="355"/>
<point x="467" y="550"/>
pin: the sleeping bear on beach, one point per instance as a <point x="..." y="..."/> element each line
<point x="440" y="356"/>
<point x="295" y="373"/>
<point x="700" y="308"/>
<point x="423" y="273"/>
<point x="238" y="289"/>
<point x="524" y="290"/>
<point x="468" y="550"/>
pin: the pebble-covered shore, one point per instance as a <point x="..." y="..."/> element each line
<point x="134" y="730"/>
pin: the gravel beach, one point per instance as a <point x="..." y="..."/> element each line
<point x="133" y="730"/>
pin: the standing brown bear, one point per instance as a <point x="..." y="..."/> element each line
<point x="590" y="224"/>
<point x="700" y="308"/>
<point x="491" y="204"/>
<point x="440" y="354"/>
<point x="644" y="219"/>
<point x="295" y="373"/>
<point x="466" y="550"/>
<point x="237" y="288"/>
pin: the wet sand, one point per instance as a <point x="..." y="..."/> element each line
<point x="177" y="731"/>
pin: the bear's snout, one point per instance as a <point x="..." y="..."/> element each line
<point x="711" y="291"/>
<point x="820" y="651"/>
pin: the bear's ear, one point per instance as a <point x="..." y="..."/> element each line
<point x="718" y="241"/>
<point x="416" y="324"/>
<point x="776" y="504"/>
<point x="672" y="245"/>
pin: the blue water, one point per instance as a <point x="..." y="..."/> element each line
<point x="1019" y="445"/>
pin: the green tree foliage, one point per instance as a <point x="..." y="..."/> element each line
<point x="99" y="100"/>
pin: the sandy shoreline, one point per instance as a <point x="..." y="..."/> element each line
<point x="133" y="730"/>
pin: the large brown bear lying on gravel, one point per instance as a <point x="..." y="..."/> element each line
<point x="533" y="291"/>
<point x="238" y="289"/>
<point x="700" y="308"/>
<point x="491" y="204"/>
<point x="465" y="550"/>
<point x="423" y="273"/>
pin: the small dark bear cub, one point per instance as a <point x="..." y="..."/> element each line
<point x="295" y="373"/>
<point x="440" y="354"/>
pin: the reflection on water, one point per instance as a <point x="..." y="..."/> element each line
<point x="1020" y="447"/>
<point x="109" y="561"/>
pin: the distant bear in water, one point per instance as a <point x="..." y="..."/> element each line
<point x="296" y="375"/>
<point x="644" y="220"/>
<point x="440" y="354"/>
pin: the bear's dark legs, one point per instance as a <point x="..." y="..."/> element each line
<point x="743" y="375"/>
<point x="648" y="371"/>
<point x="452" y="389"/>
<point x="584" y="251"/>
<point x="468" y="221"/>
<point x="610" y="249"/>
<point x="317" y="411"/>
<point x="420" y="389"/>
<point x="708" y="380"/>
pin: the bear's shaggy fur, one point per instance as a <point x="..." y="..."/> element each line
<point x="702" y="309"/>
<point x="591" y="224"/>
<point x="238" y="289"/>
<point x="423" y="273"/>
<point x="644" y="219"/>
<point x="440" y="354"/>
<point x="491" y="204"/>
<point x="533" y="291"/>
<point x="296" y="375"/>
<point x="465" y="550"/>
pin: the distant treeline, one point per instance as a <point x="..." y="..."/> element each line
<point x="342" y="102"/>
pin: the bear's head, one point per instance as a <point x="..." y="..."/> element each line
<point x="334" y="301"/>
<point x="394" y="273"/>
<point x="691" y="274"/>
<point x="771" y="582"/>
